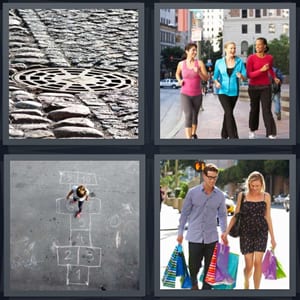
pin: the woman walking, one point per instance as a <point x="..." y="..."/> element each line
<point x="259" y="69"/>
<point x="189" y="74"/>
<point x="254" y="228"/>
<point x="228" y="71"/>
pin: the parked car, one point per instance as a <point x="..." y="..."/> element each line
<point x="230" y="206"/>
<point x="279" y="199"/>
<point x="169" y="83"/>
<point x="286" y="202"/>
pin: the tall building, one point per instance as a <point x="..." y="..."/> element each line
<point x="168" y="28"/>
<point x="243" y="26"/>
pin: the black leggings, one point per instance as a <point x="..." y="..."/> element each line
<point x="196" y="253"/>
<point x="191" y="106"/>
<point x="229" y="129"/>
<point x="80" y="203"/>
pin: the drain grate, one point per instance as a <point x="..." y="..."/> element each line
<point x="73" y="80"/>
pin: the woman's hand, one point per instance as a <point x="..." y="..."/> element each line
<point x="217" y="84"/>
<point x="264" y="68"/>
<point x="277" y="80"/>
<point x="273" y="243"/>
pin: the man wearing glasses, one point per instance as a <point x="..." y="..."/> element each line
<point x="202" y="206"/>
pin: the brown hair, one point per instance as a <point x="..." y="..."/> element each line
<point x="80" y="191"/>
<point x="187" y="48"/>
<point x="210" y="167"/>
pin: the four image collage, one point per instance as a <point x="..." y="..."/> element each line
<point x="75" y="76"/>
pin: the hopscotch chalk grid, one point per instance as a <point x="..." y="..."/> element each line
<point x="80" y="255"/>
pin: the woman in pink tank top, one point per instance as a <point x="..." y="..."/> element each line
<point x="189" y="74"/>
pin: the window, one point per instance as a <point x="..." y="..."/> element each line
<point x="244" y="48"/>
<point x="244" y="28"/>
<point x="257" y="28"/>
<point x="257" y="13"/>
<point x="244" y="13"/>
<point x="271" y="28"/>
<point x="285" y="29"/>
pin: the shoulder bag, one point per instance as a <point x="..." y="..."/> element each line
<point x="235" y="229"/>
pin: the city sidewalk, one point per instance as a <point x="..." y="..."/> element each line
<point x="211" y="118"/>
<point x="169" y="221"/>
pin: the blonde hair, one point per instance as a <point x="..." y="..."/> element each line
<point x="229" y="43"/>
<point x="256" y="176"/>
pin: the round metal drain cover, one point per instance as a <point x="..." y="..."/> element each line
<point x="73" y="80"/>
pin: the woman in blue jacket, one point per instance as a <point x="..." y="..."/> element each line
<point x="227" y="73"/>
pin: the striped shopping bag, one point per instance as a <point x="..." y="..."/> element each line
<point x="169" y="277"/>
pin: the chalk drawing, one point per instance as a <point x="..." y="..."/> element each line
<point x="114" y="221"/>
<point x="118" y="239"/>
<point x="80" y="255"/>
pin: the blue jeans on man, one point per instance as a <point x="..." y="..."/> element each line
<point x="277" y="105"/>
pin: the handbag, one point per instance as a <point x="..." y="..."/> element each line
<point x="235" y="229"/>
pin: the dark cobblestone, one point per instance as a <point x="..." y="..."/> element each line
<point x="87" y="38"/>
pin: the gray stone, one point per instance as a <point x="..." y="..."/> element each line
<point x="27" y="127"/>
<point x="72" y="131"/>
<point x="25" y="118"/>
<point x="69" y="112"/>
<point x="15" y="132"/>
<point x="28" y="104"/>
<point x="28" y="111"/>
<point x="79" y="122"/>
<point x="39" y="134"/>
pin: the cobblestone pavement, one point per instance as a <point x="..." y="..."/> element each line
<point x="73" y="73"/>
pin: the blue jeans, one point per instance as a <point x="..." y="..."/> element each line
<point x="277" y="105"/>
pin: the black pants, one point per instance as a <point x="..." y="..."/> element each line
<point x="263" y="95"/>
<point x="80" y="203"/>
<point x="229" y="129"/>
<point x="196" y="253"/>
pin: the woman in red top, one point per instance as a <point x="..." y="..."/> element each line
<point x="259" y="70"/>
<point x="189" y="74"/>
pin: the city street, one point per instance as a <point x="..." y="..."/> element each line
<point x="169" y="219"/>
<point x="211" y="118"/>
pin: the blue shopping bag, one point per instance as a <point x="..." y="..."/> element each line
<point x="233" y="263"/>
<point x="177" y="267"/>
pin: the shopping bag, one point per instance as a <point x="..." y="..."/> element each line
<point x="269" y="265"/>
<point x="211" y="273"/>
<point x="233" y="263"/>
<point x="177" y="267"/>
<point x="279" y="270"/>
<point x="186" y="281"/>
<point x="169" y="277"/>
<point x="222" y="264"/>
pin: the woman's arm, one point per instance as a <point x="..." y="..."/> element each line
<point x="202" y="70"/>
<point x="269" y="219"/>
<point x="178" y="73"/>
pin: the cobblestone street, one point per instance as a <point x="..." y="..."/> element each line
<point x="73" y="73"/>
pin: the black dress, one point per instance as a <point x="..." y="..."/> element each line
<point x="254" y="227"/>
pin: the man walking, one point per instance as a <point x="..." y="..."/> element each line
<point x="276" y="93"/>
<point x="202" y="206"/>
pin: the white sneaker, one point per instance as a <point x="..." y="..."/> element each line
<point x="251" y="135"/>
<point x="272" y="136"/>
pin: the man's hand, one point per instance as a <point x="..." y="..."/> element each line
<point x="180" y="239"/>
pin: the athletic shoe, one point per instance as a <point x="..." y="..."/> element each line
<point x="251" y="135"/>
<point x="194" y="136"/>
<point x="272" y="136"/>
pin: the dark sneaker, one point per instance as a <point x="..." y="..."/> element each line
<point x="194" y="136"/>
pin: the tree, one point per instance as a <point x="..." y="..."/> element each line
<point x="170" y="58"/>
<point x="280" y="50"/>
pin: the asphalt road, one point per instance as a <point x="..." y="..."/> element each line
<point x="50" y="250"/>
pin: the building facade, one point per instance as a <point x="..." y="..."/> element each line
<point x="243" y="26"/>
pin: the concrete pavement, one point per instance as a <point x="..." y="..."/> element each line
<point x="211" y="118"/>
<point x="169" y="220"/>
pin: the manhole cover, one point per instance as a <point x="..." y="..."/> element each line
<point x="73" y="80"/>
